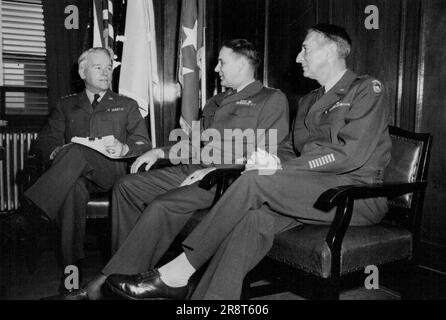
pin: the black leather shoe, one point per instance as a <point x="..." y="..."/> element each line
<point x="144" y="286"/>
<point x="80" y="294"/>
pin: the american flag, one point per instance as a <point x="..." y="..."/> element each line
<point x="103" y="31"/>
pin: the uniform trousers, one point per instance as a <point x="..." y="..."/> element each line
<point x="150" y="209"/>
<point x="63" y="192"/>
<point x="133" y="194"/>
<point x="239" y="229"/>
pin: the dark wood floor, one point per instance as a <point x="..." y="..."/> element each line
<point x="18" y="282"/>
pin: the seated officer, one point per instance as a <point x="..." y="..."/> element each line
<point x="169" y="196"/>
<point x="340" y="136"/>
<point x="62" y="192"/>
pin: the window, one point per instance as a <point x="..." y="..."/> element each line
<point x="23" y="58"/>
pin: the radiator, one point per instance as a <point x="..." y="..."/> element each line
<point x="16" y="147"/>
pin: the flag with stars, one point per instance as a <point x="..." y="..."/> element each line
<point x="191" y="44"/>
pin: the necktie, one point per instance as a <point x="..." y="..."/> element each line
<point x="95" y="101"/>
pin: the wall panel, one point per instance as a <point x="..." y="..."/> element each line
<point x="288" y="22"/>
<point x="432" y="114"/>
<point x="375" y="52"/>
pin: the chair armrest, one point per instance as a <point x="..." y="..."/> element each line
<point x="218" y="175"/>
<point x="222" y="178"/>
<point x="343" y="198"/>
<point x="161" y="163"/>
<point x="335" y="196"/>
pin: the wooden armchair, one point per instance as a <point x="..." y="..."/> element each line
<point x="327" y="253"/>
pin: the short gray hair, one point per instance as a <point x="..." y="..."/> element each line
<point x="335" y="34"/>
<point x="83" y="57"/>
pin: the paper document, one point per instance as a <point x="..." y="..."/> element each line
<point x="98" y="144"/>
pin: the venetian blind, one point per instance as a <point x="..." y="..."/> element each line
<point x="24" y="56"/>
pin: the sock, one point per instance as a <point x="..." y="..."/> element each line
<point x="94" y="287"/>
<point x="177" y="272"/>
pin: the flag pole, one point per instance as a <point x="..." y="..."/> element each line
<point x="203" y="60"/>
<point x="151" y="100"/>
<point x="151" y="105"/>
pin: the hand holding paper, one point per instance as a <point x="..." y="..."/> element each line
<point x="107" y="145"/>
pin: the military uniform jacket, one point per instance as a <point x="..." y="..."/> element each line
<point x="345" y="131"/>
<point x="254" y="107"/>
<point x="114" y="115"/>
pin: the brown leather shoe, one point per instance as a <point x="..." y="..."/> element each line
<point x="144" y="286"/>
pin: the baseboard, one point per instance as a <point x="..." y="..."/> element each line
<point x="433" y="257"/>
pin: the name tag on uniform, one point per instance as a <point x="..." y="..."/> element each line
<point x="337" y="105"/>
<point x="245" y="103"/>
<point x="115" y="109"/>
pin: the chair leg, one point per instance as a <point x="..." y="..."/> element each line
<point x="246" y="288"/>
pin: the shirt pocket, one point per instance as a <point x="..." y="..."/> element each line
<point x="111" y="123"/>
<point x="337" y="113"/>
<point x="331" y="123"/>
<point x="242" y="118"/>
<point x="245" y="111"/>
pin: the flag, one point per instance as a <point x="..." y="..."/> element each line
<point x="103" y="31"/>
<point x="192" y="28"/>
<point x="139" y="72"/>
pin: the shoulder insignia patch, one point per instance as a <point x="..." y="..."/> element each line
<point x="377" y="86"/>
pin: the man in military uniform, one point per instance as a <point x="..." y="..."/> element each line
<point x="340" y="136"/>
<point x="246" y="105"/>
<point x="168" y="197"/>
<point x="62" y="192"/>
